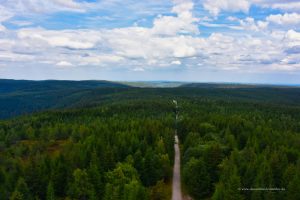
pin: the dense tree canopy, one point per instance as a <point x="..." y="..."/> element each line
<point x="123" y="149"/>
<point x="241" y="150"/>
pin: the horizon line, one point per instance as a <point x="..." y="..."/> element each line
<point x="158" y="81"/>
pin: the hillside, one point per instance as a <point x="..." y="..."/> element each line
<point x="8" y="86"/>
<point x="23" y="97"/>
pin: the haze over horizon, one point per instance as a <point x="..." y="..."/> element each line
<point x="246" y="41"/>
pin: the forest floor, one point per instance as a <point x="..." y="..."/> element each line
<point x="176" y="188"/>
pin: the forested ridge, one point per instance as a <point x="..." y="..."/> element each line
<point x="20" y="97"/>
<point x="118" y="144"/>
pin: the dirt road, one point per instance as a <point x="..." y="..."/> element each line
<point x="176" y="188"/>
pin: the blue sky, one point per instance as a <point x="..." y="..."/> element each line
<point x="253" y="41"/>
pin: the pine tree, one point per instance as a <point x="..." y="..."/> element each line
<point x="21" y="191"/>
<point x="50" y="192"/>
<point x="219" y="192"/>
<point x="59" y="176"/>
<point x="231" y="180"/>
<point x="3" y="185"/>
<point x="294" y="184"/>
<point x="95" y="176"/>
<point x="80" y="187"/>
<point x="121" y="181"/>
<point x="293" y="188"/>
<point x="134" y="191"/>
<point x="16" y="195"/>
<point x="264" y="179"/>
<point x="159" y="192"/>
<point x="196" y="175"/>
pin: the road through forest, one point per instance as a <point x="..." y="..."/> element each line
<point x="176" y="188"/>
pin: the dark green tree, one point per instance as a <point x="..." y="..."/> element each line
<point x="195" y="173"/>
<point x="50" y="192"/>
<point x="231" y="181"/>
<point x="96" y="176"/>
<point x="80" y="187"/>
<point x="21" y="191"/>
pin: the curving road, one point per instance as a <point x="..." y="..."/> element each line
<point x="176" y="188"/>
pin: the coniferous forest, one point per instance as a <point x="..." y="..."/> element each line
<point x="150" y="100"/>
<point x="235" y="144"/>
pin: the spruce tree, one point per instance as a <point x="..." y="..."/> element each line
<point x="50" y="192"/>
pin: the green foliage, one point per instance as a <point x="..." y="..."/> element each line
<point x="294" y="184"/>
<point x="80" y="187"/>
<point x="160" y="191"/>
<point x="293" y="188"/>
<point x="16" y="195"/>
<point x="232" y="182"/>
<point x="21" y="191"/>
<point x="92" y="153"/>
<point x="248" y="149"/>
<point x="123" y="183"/>
<point x="50" y="192"/>
<point x="200" y="179"/>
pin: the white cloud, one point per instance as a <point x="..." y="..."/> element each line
<point x="232" y="18"/>
<point x="140" y="43"/>
<point x="99" y="59"/>
<point x="184" y="22"/>
<point x="2" y="28"/>
<point x="138" y="69"/>
<point x="64" y="64"/>
<point x="6" y="44"/>
<point x="284" y="5"/>
<point x="271" y="23"/>
<point x="284" y="19"/>
<point x="28" y="7"/>
<point x="292" y="39"/>
<point x="172" y="40"/>
<point x="138" y="48"/>
<point x="176" y="62"/>
<point x="4" y="15"/>
<point x="21" y="22"/>
<point x="181" y="8"/>
<point x="216" y="6"/>
<point x="67" y="3"/>
<point x="132" y="45"/>
<point x="163" y="40"/>
<point x="7" y="56"/>
<point x="69" y="39"/>
<point x="293" y="35"/>
<point x="250" y="24"/>
<point x="288" y="5"/>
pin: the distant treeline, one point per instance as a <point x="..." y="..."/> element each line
<point x="26" y="97"/>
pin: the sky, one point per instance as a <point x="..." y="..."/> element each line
<point x="246" y="41"/>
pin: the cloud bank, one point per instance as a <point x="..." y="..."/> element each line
<point x="175" y="39"/>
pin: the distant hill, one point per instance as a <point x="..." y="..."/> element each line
<point x="22" y="96"/>
<point x="9" y="86"/>
<point x="235" y="85"/>
<point x="154" y="84"/>
<point x="25" y="97"/>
